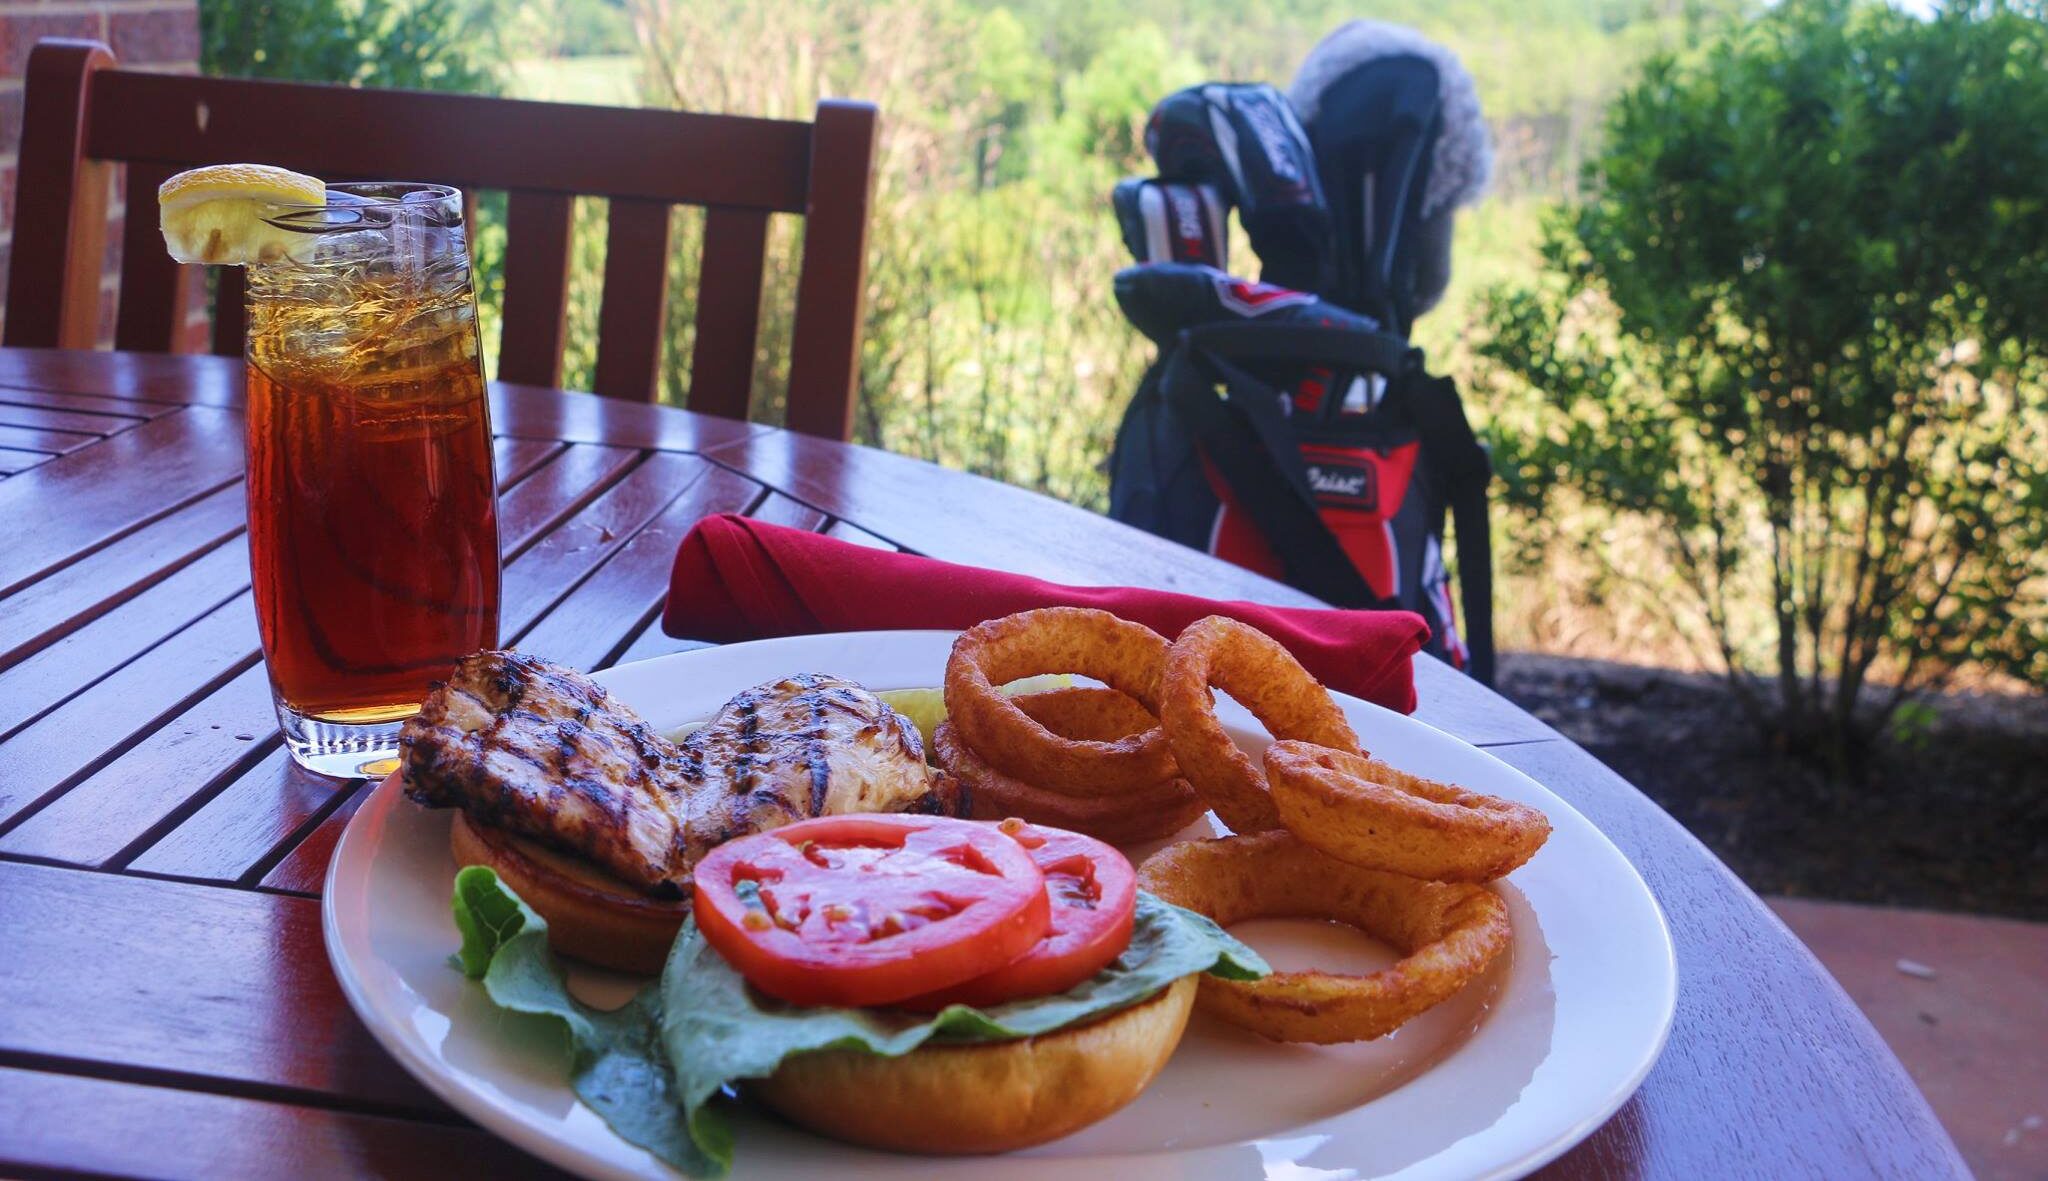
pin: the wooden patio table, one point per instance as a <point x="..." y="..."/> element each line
<point x="166" y="1005"/>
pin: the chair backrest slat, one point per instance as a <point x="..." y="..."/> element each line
<point x="60" y="205"/>
<point x="152" y="286"/>
<point x="824" y="353"/>
<point x="631" y="314"/>
<point x="728" y="310"/>
<point x="535" y="320"/>
<point x="80" y="115"/>
<point x="460" y="139"/>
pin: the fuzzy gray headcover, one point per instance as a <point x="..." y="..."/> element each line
<point x="1464" y="151"/>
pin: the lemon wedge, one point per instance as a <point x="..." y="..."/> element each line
<point x="926" y="708"/>
<point x="216" y="214"/>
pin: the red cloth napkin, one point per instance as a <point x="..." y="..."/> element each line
<point x="739" y="579"/>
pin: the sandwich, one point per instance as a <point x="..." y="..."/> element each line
<point x="917" y="983"/>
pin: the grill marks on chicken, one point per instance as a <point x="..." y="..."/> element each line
<point x="535" y="749"/>
<point x="544" y="752"/>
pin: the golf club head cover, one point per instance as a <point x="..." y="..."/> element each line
<point x="1399" y="136"/>
<point x="1245" y="139"/>
<point x="1162" y="299"/>
<point x="1165" y="221"/>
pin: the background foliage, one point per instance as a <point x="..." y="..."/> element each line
<point x="398" y="43"/>
<point x="993" y="344"/>
<point x="1791" y="344"/>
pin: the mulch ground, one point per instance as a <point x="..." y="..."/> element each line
<point x="1955" y="820"/>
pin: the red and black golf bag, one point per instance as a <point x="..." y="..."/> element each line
<point x="1288" y="425"/>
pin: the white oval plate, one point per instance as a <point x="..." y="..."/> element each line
<point x="1521" y="1065"/>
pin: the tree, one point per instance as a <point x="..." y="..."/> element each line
<point x="1794" y="333"/>
<point x="412" y="44"/>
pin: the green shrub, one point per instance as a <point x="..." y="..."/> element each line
<point x="399" y="43"/>
<point x="1794" y="332"/>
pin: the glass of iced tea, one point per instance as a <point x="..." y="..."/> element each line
<point x="373" y="529"/>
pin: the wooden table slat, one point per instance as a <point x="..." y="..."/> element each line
<point x="848" y="531"/>
<point x="557" y="562"/>
<point x="303" y="868"/>
<point x="54" y="419"/>
<point x="14" y="460"/>
<point x="45" y="440"/>
<point x="235" y="834"/>
<point x="598" y="619"/>
<point x="50" y="677"/>
<point x="516" y="459"/>
<point x="650" y="642"/>
<point x="177" y="765"/>
<point x="80" y="592"/>
<point x="225" y="985"/>
<point x="106" y="719"/>
<point x="534" y="413"/>
<point x="557" y="492"/>
<point x="64" y="1123"/>
<point x="125" y="409"/>
<point x="777" y="509"/>
<point x="115" y="486"/>
<point x="144" y="383"/>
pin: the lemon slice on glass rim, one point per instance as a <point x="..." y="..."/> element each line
<point x="217" y="214"/>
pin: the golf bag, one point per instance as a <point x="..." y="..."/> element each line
<point x="1287" y="425"/>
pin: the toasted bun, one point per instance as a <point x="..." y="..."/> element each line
<point x="988" y="1097"/>
<point x="591" y="915"/>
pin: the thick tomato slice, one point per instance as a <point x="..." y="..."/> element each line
<point x="869" y="910"/>
<point x="1093" y="892"/>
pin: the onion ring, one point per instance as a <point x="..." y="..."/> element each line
<point x="1447" y="933"/>
<point x="1360" y="810"/>
<point x="1147" y="814"/>
<point x="1125" y="656"/>
<point x="1253" y="668"/>
<point x="1087" y="712"/>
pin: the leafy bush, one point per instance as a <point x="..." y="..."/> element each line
<point x="398" y="43"/>
<point x="1793" y="337"/>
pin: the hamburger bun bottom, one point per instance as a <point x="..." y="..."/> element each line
<point x="985" y="1097"/>
<point x="591" y="915"/>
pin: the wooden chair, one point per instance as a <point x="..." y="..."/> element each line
<point x="80" y="113"/>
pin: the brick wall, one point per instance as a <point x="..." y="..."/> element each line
<point x="144" y="34"/>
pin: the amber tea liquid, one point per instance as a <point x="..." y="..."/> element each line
<point x="373" y="536"/>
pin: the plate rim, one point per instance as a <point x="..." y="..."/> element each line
<point x="418" y="1061"/>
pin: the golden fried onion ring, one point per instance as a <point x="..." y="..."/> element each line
<point x="1087" y="712"/>
<point x="1253" y="668"/>
<point x="1447" y="933"/>
<point x="1145" y="814"/>
<point x="1123" y="655"/>
<point x="1360" y="810"/>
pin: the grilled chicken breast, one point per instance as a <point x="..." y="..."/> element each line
<point x="542" y="751"/>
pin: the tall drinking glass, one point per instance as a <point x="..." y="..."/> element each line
<point x="373" y="529"/>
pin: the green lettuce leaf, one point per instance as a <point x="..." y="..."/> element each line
<point x="616" y="1062"/>
<point x="718" y="1030"/>
<point x="652" y="1067"/>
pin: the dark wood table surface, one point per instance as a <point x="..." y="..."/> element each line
<point x="166" y="1006"/>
